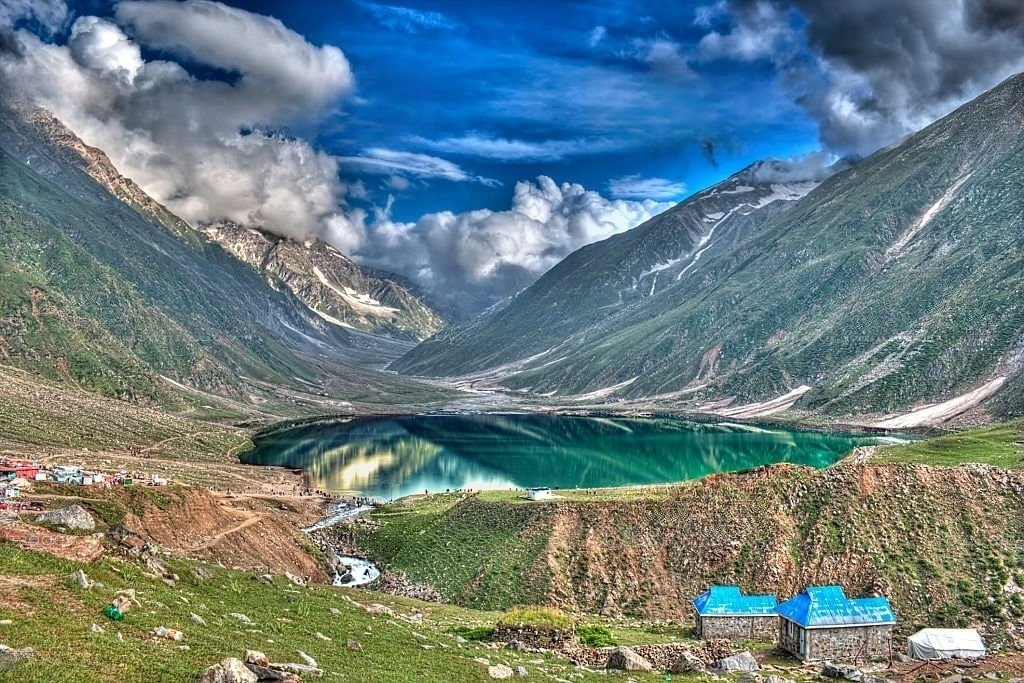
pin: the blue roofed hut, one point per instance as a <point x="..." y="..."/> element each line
<point x="821" y="623"/>
<point x="724" y="612"/>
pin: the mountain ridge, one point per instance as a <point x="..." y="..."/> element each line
<point x="881" y="290"/>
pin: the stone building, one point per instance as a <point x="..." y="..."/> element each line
<point x="724" y="612"/>
<point x="822" y="623"/>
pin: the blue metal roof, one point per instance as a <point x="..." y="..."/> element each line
<point x="720" y="601"/>
<point x="828" y="606"/>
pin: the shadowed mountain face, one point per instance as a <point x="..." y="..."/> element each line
<point x="394" y="457"/>
<point x="112" y="292"/>
<point x="895" y="282"/>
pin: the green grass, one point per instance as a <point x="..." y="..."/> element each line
<point x="409" y="641"/>
<point x="595" y="636"/>
<point x="999" y="445"/>
<point x="536" y="617"/>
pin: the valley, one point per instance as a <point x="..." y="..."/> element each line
<point x="808" y="373"/>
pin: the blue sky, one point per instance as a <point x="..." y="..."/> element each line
<point x="585" y="92"/>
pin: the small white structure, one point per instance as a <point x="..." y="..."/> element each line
<point x="945" y="643"/>
<point x="538" y="493"/>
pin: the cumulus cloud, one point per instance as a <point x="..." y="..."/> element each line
<point x="871" y="72"/>
<point x="475" y="258"/>
<point x="638" y="187"/>
<point x="395" y="162"/>
<point x="506" y="149"/>
<point x="49" y="14"/>
<point x="208" y="149"/>
<point x="213" y="150"/>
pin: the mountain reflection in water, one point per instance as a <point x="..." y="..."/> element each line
<point x="395" y="456"/>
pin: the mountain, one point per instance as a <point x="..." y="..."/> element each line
<point x="104" y="289"/>
<point x="894" y="283"/>
<point x="572" y="302"/>
<point x="333" y="286"/>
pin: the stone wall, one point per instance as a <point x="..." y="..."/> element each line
<point x="845" y="644"/>
<point x="763" y="628"/>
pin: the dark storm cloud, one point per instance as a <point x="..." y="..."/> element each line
<point x="9" y="47"/>
<point x="872" y="71"/>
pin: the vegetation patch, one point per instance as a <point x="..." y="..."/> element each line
<point x="538" y="618"/>
<point x="1000" y="445"/>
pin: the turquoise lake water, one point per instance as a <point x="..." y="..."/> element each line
<point x="391" y="457"/>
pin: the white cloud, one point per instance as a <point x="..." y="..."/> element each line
<point x="597" y="34"/>
<point x="205" y="148"/>
<point x="406" y="18"/>
<point x="760" y="35"/>
<point x="51" y="14"/>
<point x="638" y="187"/>
<point x="481" y="256"/>
<point x="665" y="56"/>
<point x="398" y="183"/>
<point x="506" y="149"/>
<point x="396" y="162"/>
<point x="269" y="55"/>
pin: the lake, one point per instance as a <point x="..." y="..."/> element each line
<point x="391" y="457"/>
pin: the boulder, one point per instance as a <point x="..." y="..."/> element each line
<point x="196" y="619"/>
<point x="229" y="670"/>
<point x="741" y="661"/>
<point x="687" y="663"/>
<point x="300" y="669"/>
<point x="850" y="673"/>
<point x="500" y="671"/>
<point x="78" y="577"/>
<point x="778" y="679"/>
<point x="267" y="675"/>
<point x="624" y="659"/>
<point x="73" y="517"/>
<point x="202" y="573"/>
<point x="9" y="656"/>
<point x="255" y="657"/>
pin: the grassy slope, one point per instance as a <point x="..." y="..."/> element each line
<point x="53" y="616"/>
<point x="941" y="542"/>
<point x="39" y="413"/>
<point x="1000" y="445"/>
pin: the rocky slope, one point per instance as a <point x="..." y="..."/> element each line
<point x="894" y="283"/>
<point x="942" y="543"/>
<point x="333" y="286"/>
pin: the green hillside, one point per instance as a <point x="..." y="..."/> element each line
<point x="895" y="282"/>
<point x="118" y="299"/>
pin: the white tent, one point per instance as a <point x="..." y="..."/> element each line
<point x="945" y="643"/>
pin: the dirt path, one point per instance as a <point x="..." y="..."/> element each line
<point x="159" y="444"/>
<point x="251" y="519"/>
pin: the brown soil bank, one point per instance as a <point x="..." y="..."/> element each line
<point x="240" y="532"/>
<point x="946" y="545"/>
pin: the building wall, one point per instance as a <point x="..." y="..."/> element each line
<point x="838" y="644"/>
<point x="761" y="628"/>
